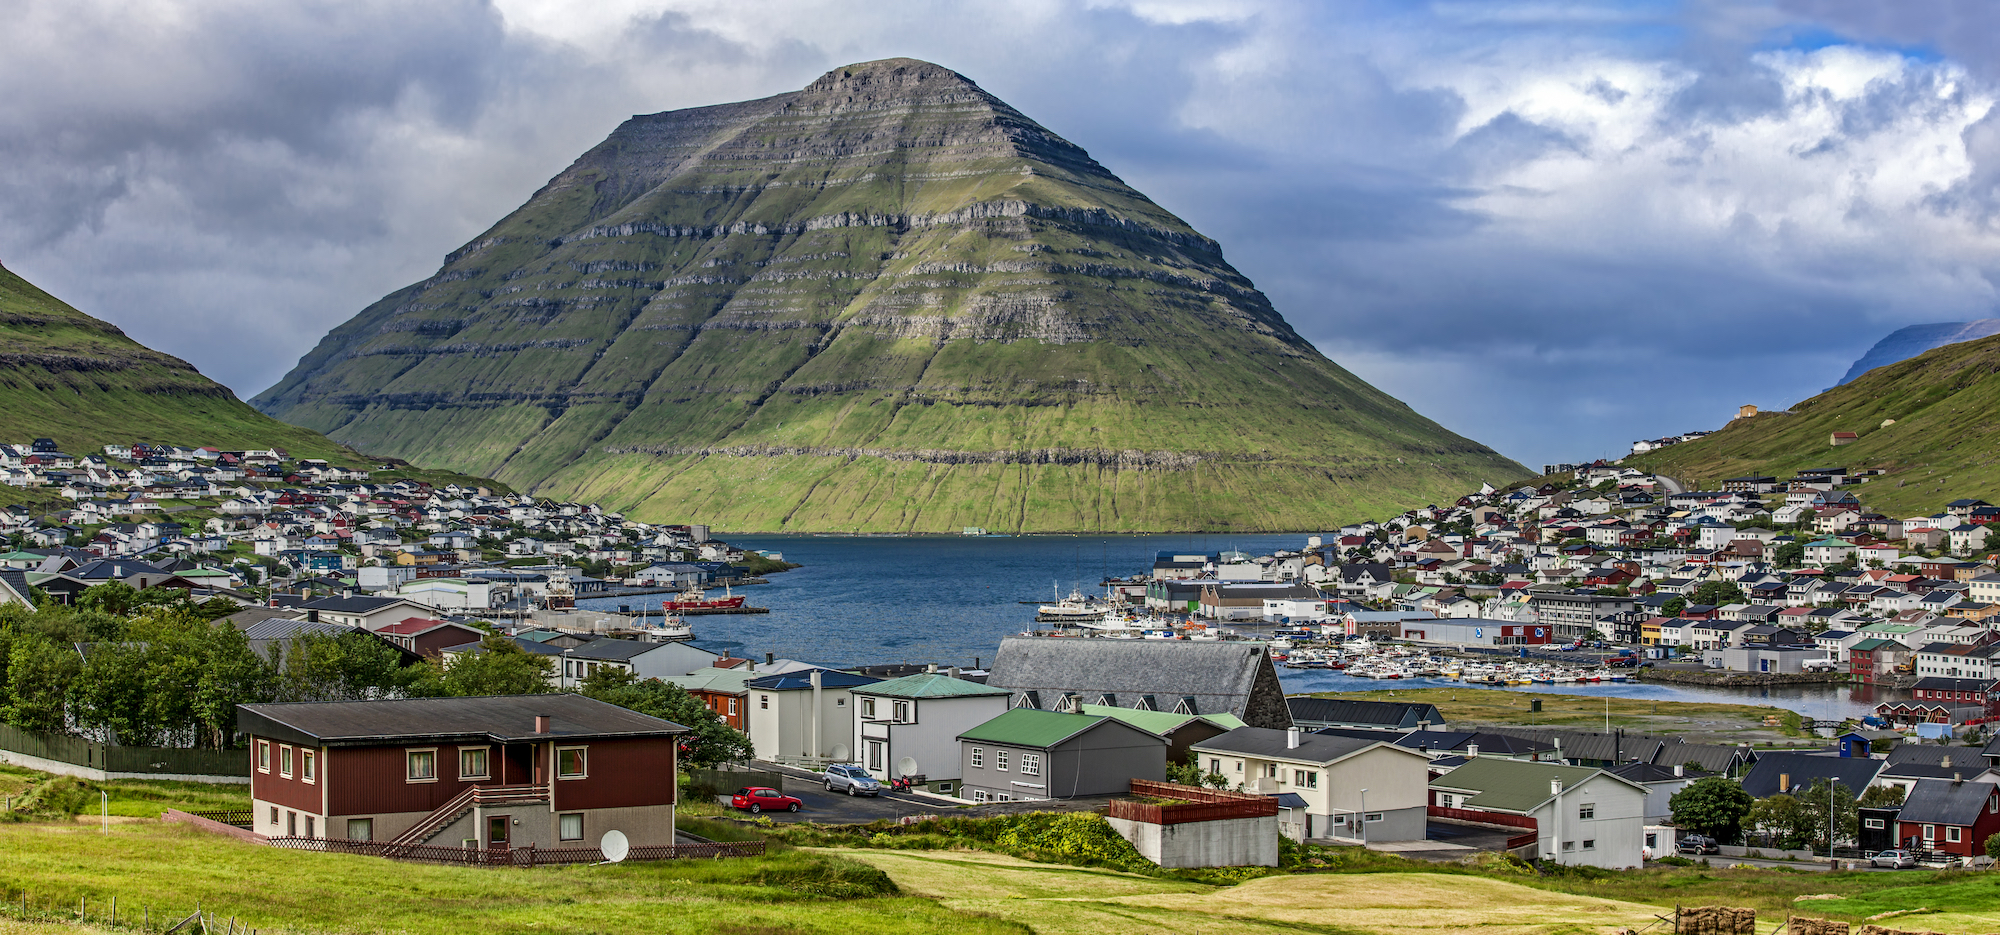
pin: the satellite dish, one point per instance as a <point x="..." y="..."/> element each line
<point x="614" y="846"/>
<point x="839" y="752"/>
<point x="906" y="766"/>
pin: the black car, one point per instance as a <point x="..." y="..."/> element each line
<point x="1697" y="844"/>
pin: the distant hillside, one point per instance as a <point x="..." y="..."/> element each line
<point x="68" y="376"/>
<point x="1905" y="343"/>
<point x="1943" y="444"/>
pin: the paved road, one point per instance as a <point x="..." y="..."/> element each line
<point x="1673" y="486"/>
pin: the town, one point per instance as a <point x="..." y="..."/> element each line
<point x="371" y="619"/>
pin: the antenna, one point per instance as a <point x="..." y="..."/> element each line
<point x="614" y="846"/>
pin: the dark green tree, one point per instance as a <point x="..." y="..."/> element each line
<point x="1882" y="797"/>
<point x="1718" y="593"/>
<point x="39" y="673"/>
<point x="1713" y="806"/>
<point x="711" y="740"/>
<point x="1790" y="555"/>
<point x="349" y="667"/>
<point x="500" y="667"/>
<point x="1813" y="808"/>
<point x="1674" y="606"/>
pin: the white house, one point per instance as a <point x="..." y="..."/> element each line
<point x="910" y="725"/>
<point x="1583" y="815"/>
<point x="804" y="717"/>
<point x="1342" y="787"/>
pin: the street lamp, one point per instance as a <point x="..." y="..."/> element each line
<point x="1364" y="818"/>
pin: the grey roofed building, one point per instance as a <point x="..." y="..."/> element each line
<point x="1711" y="757"/>
<point x="1275" y="743"/>
<point x="1315" y="713"/>
<point x="1783" y="772"/>
<point x="1438" y="742"/>
<point x="1161" y="675"/>
<point x="492" y="718"/>
<point x="14" y="587"/>
<point x="1941" y="801"/>
<point x="267" y="634"/>
<point x="243" y="619"/>
<point x="1596" y="748"/>
<point x="1992" y="751"/>
<point x="1924" y="761"/>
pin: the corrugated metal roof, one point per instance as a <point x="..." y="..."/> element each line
<point x="1029" y="727"/>
<point x="930" y="685"/>
<point x="1944" y="802"/>
<point x="1516" y="786"/>
<point x="1159" y="722"/>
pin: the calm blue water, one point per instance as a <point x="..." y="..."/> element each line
<point x="951" y="599"/>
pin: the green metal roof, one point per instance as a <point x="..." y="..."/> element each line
<point x="1031" y="727"/>
<point x="1160" y="722"/>
<point x="1504" y="785"/>
<point x="1874" y="644"/>
<point x="930" y="685"/>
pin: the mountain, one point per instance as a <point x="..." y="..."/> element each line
<point x="1932" y="422"/>
<point x="1905" y="343"/>
<point x="886" y="302"/>
<point x="80" y="381"/>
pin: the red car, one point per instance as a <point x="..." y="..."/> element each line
<point x="759" y="798"/>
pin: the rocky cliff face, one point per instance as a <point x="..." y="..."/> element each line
<point x="888" y="301"/>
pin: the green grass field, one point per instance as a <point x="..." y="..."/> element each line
<point x="1718" y="722"/>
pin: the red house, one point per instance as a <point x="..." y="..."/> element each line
<point x="427" y="637"/>
<point x="1949" y="816"/>
<point x="494" y="772"/>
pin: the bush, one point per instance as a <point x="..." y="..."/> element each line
<point x="1675" y="860"/>
<point x="830" y="877"/>
<point x="64" y="797"/>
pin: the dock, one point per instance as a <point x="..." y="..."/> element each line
<point x="701" y="612"/>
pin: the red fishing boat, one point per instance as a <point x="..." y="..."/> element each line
<point x="697" y="599"/>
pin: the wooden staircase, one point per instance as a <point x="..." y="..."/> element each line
<point x="474" y="797"/>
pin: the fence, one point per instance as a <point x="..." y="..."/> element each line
<point x="529" y="856"/>
<point x="1479" y="816"/>
<point x="110" y="761"/>
<point x="235" y="824"/>
<point x="1201" y="805"/>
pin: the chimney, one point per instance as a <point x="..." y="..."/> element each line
<point x="1471" y="749"/>
<point x="931" y="669"/>
<point x="1555" y="787"/>
<point x="975" y="662"/>
<point x="954" y="672"/>
<point x="1680" y="770"/>
<point x="541" y="723"/>
<point x="1292" y="738"/>
<point x="770" y="658"/>
<point x="1424" y="725"/>
<point x="1784" y="782"/>
<point x="346" y="592"/>
<point x="1945" y="761"/>
<point x="1957" y="778"/>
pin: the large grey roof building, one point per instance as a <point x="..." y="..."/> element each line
<point x="1061" y="674"/>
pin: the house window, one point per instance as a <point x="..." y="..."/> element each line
<point x="902" y="711"/>
<point x="1215" y="766"/>
<point x="361" y="829"/>
<point x="979" y="795"/>
<point x="1447" y="800"/>
<point x="1569" y="845"/>
<point x="867" y="707"/>
<point x="1031" y="764"/>
<point x="840" y="702"/>
<point x="1951" y="834"/>
<point x="1590" y="844"/>
<point x="763" y="701"/>
<point x="285" y="761"/>
<point x="1586" y="812"/>
<point x="472" y="763"/>
<point x="1374" y="816"/>
<point x="1239" y="766"/>
<point x="732" y="707"/>
<point x="309" y="827"/>
<point x="1270" y="770"/>
<point x="291" y="824"/>
<point x="1873" y="823"/>
<point x="570" y="762"/>
<point x="308" y="763"/>
<point x="422" y="765"/>
<point x="1002" y="797"/>
<point x="874" y="754"/>
<point x="274" y="816"/>
<point x="944" y="788"/>
<point x="1930" y="832"/>
<point x="571" y="827"/>
<point x="978" y="757"/>
<point x="264" y="756"/>
<point x="1305" y="778"/>
<point x="1000" y="759"/>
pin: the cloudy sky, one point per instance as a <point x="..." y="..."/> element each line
<point x="1553" y="226"/>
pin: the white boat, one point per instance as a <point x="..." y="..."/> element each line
<point x="1075" y="608"/>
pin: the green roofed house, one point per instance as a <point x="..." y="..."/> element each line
<point x="1182" y="731"/>
<point x="909" y="726"/>
<point x="1028" y="754"/>
<point x="1581" y="815"/>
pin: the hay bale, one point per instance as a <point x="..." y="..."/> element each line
<point x="1715" y="920"/>
<point x="1800" y="926"/>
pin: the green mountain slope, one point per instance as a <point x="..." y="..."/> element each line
<point x="1943" y="445"/>
<point x="886" y="302"/>
<point x="68" y="376"/>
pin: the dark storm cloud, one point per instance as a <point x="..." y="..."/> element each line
<point x="1552" y="227"/>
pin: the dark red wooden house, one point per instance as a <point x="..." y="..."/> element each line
<point x="492" y="772"/>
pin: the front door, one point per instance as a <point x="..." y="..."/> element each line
<point x="496" y="830"/>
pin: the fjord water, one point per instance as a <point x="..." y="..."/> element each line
<point x="951" y="599"/>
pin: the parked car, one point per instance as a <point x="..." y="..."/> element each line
<point x="761" y="798"/>
<point x="1697" y="844"/>
<point x="852" y="780"/>
<point x="1894" y="860"/>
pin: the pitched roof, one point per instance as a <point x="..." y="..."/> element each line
<point x="490" y="718"/>
<point x="1803" y="769"/>
<point x="1218" y="676"/>
<point x="1354" y="711"/>
<point x="17" y="583"/>
<point x="1945" y="802"/>
<point x="1518" y="786"/>
<point x="1029" y="727"/>
<point x="1274" y="744"/>
<point x="802" y="678"/>
<point x="356" y="605"/>
<point x="1160" y="722"/>
<point x="931" y="685"/>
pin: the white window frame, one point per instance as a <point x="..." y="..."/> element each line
<point x="1031" y="764"/>
<point x="901" y="710"/>
<point x="1000" y="758"/>
<point x="285" y="763"/>
<point x="979" y="795"/>
<point x="868" y="707"/>
<point x="410" y="762"/>
<point x="764" y="702"/>
<point x="263" y="756"/>
<point x="978" y="757"/>
<point x="1951" y="834"/>
<point x="583" y="753"/>
<point x="308" y="765"/>
<point x="1586" y="812"/>
<point x="488" y="754"/>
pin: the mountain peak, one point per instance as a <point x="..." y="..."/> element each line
<point x="889" y="78"/>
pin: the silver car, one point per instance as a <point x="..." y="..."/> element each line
<point x="852" y="780"/>
<point x="1894" y="860"/>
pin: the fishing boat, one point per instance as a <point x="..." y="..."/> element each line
<point x="698" y="599"/>
<point x="672" y="628"/>
<point x="1074" y="608"/>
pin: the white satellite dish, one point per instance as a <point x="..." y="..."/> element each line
<point x="906" y="766"/>
<point x="614" y="846"/>
<point x="839" y="752"/>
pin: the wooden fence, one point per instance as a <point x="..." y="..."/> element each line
<point x="529" y="856"/>
<point x="1199" y="804"/>
<point x="112" y="758"/>
<point x="1482" y="817"/>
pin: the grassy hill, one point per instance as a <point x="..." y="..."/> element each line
<point x="1943" y="443"/>
<point x="81" y="381"/>
<point x="886" y="302"/>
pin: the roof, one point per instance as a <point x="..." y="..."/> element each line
<point x="1031" y="727"/>
<point x="1649" y="772"/>
<point x="802" y="678"/>
<point x="1517" y="786"/>
<point x="1391" y="713"/>
<point x="1161" y="722"/>
<point x="1496" y="744"/>
<point x="284" y="628"/>
<point x="1218" y="676"/>
<point x="612" y="649"/>
<point x="355" y="605"/>
<point x="17" y="582"/>
<point x="931" y="685"/>
<point x="490" y="718"/>
<point x="106" y="568"/>
<point x="1274" y="744"/>
<point x="1804" y="769"/>
<point x="1946" y="802"/>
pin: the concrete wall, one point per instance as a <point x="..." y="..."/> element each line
<point x="1233" y="842"/>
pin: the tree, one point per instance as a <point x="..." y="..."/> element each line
<point x="1190" y="774"/>
<point x="1790" y="555"/>
<point x="1718" y="593"/>
<point x="1674" y="606"/>
<point x="1779" y="817"/>
<point x="1713" y="806"/>
<point x="710" y="739"/>
<point x="111" y="597"/>
<point x="1813" y="806"/>
<point x="349" y="667"/>
<point x="1993" y="846"/>
<point x="1881" y="797"/>
<point x="499" y="667"/>
<point x="39" y="672"/>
